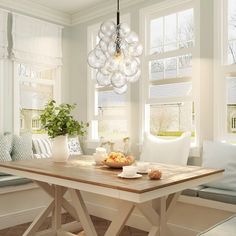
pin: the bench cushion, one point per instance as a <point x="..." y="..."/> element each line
<point x="192" y="192"/>
<point x="13" y="181"/>
<point x="218" y="195"/>
<point x="226" y="228"/>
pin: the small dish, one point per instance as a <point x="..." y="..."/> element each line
<point x="121" y="175"/>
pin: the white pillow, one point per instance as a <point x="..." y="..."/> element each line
<point x="221" y="156"/>
<point x="174" y="152"/>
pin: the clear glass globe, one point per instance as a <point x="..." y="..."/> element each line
<point x="94" y="61"/>
<point x="124" y="30"/>
<point x="108" y="28"/>
<point x="111" y="48"/>
<point x="129" y="66"/>
<point x="112" y="65"/>
<point x="134" y="78"/>
<point x="121" y="90"/>
<point x="118" y="80"/>
<point x="103" y="45"/>
<point x="103" y="80"/>
<point x="132" y="37"/>
<point x="135" y="49"/>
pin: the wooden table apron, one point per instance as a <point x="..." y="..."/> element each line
<point x="154" y="199"/>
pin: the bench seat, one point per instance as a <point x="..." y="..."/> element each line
<point x="11" y="180"/>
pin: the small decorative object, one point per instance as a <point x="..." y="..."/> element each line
<point x="126" y="142"/>
<point x="59" y="123"/>
<point x="129" y="172"/>
<point x="118" y="160"/>
<point x="155" y="174"/>
<point x="116" y="56"/>
<point x="100" y="155"/>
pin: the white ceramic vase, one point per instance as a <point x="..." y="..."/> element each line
<point x="60" y="151"/>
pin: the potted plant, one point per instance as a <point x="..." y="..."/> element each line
<point x="59" y="124"/>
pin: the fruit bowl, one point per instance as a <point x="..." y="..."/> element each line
<point x="118" y="160"/>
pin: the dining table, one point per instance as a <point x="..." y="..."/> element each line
<point x="155" y="199"/>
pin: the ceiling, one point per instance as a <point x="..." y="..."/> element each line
<point x="68" y="6"/>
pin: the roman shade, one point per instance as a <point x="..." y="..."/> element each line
<point x="3" y="34"/>
<point x="36" y="41"/>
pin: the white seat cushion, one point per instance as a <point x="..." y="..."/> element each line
<point x="175" y="151"/>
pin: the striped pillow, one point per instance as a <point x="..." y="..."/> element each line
<point x="42" y="147"/>
<point x="22" y="147"/>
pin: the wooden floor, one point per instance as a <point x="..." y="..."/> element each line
<point x="100" y="225"/>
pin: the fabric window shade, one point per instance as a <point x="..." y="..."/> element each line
<point x="3" y="34"/>
<point x="36" y="41"/>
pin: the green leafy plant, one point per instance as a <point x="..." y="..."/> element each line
<point x="58" y="120"/>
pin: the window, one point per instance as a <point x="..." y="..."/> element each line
<point x="168" y="67"/>
<point x="37" y="87"/>
<point x="108" y="112"/>
<point x="225" y="69"/>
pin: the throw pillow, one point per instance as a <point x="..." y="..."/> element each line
<point x="42" y="147"/>
<point x="221" y="156"/>
<point x="74" y="146"/>
<point x="174" y="152"/>
<point x="22" y="147"/>
<point x="5" y="147"/>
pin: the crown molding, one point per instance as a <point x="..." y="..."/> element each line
<point x="33" y="9"/>
<point x="99" y="10"/>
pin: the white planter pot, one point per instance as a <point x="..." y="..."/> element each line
<point x="60" y="151"/>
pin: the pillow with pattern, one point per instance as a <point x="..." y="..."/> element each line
<point x="74" y="146"/>
<point x="22" y="147"/>
<point x="5" y="147"/>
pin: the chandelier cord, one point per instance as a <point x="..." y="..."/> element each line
<point x="118" y="12"/>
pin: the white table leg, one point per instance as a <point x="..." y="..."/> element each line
<point x="56" y="223"/>
<point x="82" y="213"/>
<point x="120" y="219"/>
<point x="38" y="221"/>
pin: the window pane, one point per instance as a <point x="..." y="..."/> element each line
<point x="172" y="32"/>
<point x="171" y="67"/>
<point x="231" y="32"/>
<point x="186" y="29"/>
<point x="171" y="119"/>
<point x="231" y="105"/>
<point x="113" y="115"/>
<point x="171" y="90"/>
<point x="157" y="37"/>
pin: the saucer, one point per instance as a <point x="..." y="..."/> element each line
<point x="143" y="172"/>
<point x="121" y="175"/>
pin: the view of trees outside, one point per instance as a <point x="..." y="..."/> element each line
<point x="231" y="81"/>
<point x="113" y="115"/>
<point x="168" y="33"/>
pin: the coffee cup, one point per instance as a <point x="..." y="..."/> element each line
<point x="129" y="171"/>
<point x="143" y="166"/>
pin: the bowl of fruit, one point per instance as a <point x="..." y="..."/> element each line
<point x="118" y="160"/>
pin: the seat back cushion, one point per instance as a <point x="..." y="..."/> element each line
<point x="222" y="156"/>
<point x="42" y="147"/>
<point x="22" y="147"/>
<point x="5" y="147"/>
<point x="173" y="152"/>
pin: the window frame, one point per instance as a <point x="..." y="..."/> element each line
<point x="92" y="32"/>
<point x="221" y="70"/>
<point x="146" y="15"/>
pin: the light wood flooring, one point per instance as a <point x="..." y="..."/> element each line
<point x="100" y="225"/>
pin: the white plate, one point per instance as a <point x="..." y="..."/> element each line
<point x="121" y="175"/>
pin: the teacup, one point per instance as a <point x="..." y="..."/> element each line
<point x="143" y="166"/>
<point x="99" y="158"/>
<point x="129" y="171"/>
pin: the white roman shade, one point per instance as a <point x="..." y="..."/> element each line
<point x="36" y="41"/>
<point x="3" y="34"/>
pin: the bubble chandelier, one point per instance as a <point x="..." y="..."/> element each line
<point x="116" y="56"/>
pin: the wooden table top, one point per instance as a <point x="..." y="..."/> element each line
<point x="86" y="172"/>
